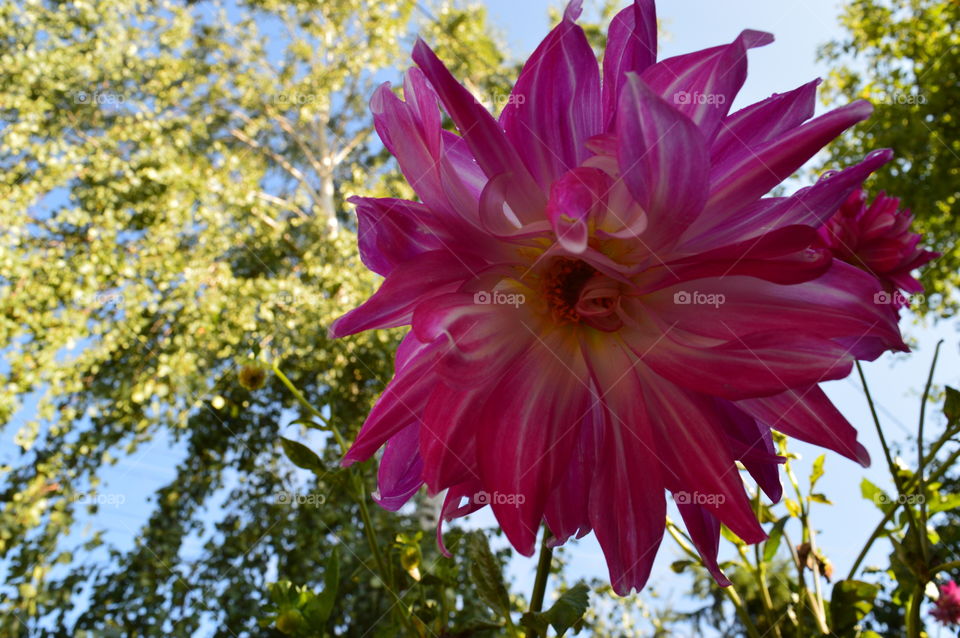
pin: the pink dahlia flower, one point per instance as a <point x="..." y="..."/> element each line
<point x="877" y="238"/>
<point x="604" y="307"/>
<point x="947" y="608"/>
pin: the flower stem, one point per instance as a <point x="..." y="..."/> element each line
<point x="914" y="625"/>
<point x="543" y="573"/>
<point x="921" y="489"/>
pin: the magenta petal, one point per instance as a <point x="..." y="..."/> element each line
<point x="411" y="282"/>
<point x="762" y="122"/>
<point x="568" y="510"/>
<point x="391" y="231"/>
<point x="400" y="405"/>
<point x="452" y="508"/>
<point x="663" y="160"/>
<point x="556" y="103"/>
<point x="807" y="414"/>
<point x="754" y="365"/>
<point x="576" y="199"/>
<point x="703" y="85"/>
<point x="704" y="530"/>
<point x="736" y="183"/>
<point x="685" y="427"/>
<point x="631" y="48"/>
<point x="810" y="206"/>
<point x="530" y="426"/>
<point x="483" y="134"/>
<point x="448" y="436"/>
<point x="752" y="445"/>
<point x="400" y="473"/>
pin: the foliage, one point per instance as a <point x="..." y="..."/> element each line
<point x="903" y="56"/>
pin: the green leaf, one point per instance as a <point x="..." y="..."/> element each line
<point x="563" y="614"/>
<point x="817" y="470"/>
<point x="321" y="606"/>
<point x="485" y="573"/>
<point x="301" y="456"/>
<point x="851" y="601"/>
<point x="793" y="507"/>
<point x="873" y="493"/>
<point x="772" y="544"/>
<point x="820" y="498"/>
<point x="942" y="502"/>
<point x="678" y="566"/>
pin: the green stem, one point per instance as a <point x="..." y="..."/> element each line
<point x="543" y="573"/>
<point x="914" y="625"/>
<point x="935" y="449"/>
<point x="309" y="408"/>
<point x="922" y="491"/>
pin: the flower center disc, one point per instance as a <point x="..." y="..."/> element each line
<point x="562" y="285"/>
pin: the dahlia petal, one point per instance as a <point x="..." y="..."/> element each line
<point x="810" y="206"/>
<point x="576" y="199"/>
<point x="684" y="424"/>
<point x="703" y="85"/>
<point x="762" y="122"/>
<point x="663" y="161"/>
<point x="400" y="473"/>
<point x="568" y="510"/>
<point x="556" y="105"/>
<point x="452" y="508"/>
<point x="409" y="283"/>
<point x="759" y="364"/>
<point x="411" y="132"/>
<point x="530" y="428"/>
<point x="391" y="231"/>
<point x="785" y="256"/>
<point x="631" y="48"/>
<point x="448" y="436"/>
<point x="704" y="530"/>
<point x="487" y="141"/>
<point x="400" y="405"/>
<point x="807" y="414"/>
<point x="752" y="445"/>
<point x="838" y="304"/>
<point x="736" y="183"/>
<point x="477" y="351"/>
<point x="627" y="514"/>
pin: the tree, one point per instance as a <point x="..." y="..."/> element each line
<point x="903" y="55"/>
<point x="174" y="177"/>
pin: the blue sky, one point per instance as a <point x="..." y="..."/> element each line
<point x="896" y="381"/>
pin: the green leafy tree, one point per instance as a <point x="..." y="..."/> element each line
<point x="904" y="56"/>
<point x="173" y="177"/>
